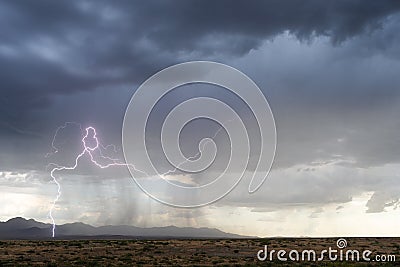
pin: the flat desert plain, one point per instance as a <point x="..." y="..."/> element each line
<point x="187" y="252"/>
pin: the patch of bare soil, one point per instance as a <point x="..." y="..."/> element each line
<point x="222" y="252"/>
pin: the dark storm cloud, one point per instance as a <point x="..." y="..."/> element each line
<point x="62" y="46"/>
<point x="195" y="24"/>
<point x="58" y="49"/>
<point x="81" y="60"/>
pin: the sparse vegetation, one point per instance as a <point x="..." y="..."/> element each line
<point x="174" y="252"/>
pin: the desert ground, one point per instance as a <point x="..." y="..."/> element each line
<point x="189" y="252"/>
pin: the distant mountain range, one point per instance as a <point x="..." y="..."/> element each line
<point x="20" y="228"/>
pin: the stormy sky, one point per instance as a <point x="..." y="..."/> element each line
<point x="330" y="71"/>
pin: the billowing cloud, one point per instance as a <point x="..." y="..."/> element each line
<point x="329" y="71"/>
<point x="49" y="48"/>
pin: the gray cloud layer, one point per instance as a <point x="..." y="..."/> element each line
<point x="329" y="69"/>
<point x="53" y="50"/>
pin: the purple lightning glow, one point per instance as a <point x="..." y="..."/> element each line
<point x="91" y="146"/>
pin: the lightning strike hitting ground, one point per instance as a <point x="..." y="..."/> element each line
<point x="89" y="150"/>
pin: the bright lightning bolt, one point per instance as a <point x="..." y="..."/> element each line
<point x="89" y="150"/>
